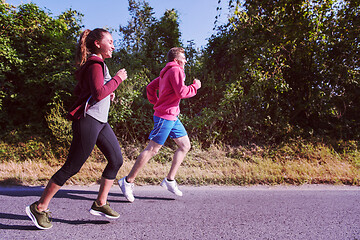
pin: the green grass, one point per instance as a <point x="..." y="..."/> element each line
<point x="297" y="162"/>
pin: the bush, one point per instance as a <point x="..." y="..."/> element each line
<point x="131" y="113"/>
<point x="60" y="127"/>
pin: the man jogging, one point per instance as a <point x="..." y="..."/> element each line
<point x="172" y="89"/>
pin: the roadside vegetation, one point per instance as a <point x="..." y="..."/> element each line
<point x="279" y="102"/>
<point x="297" y="162"/>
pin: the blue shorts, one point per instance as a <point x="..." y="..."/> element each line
<point x="164" y="128"/>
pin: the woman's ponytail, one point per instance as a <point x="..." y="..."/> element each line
<point x="82" y="51"/>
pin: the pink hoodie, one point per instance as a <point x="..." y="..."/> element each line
<point x="172" y="89"/>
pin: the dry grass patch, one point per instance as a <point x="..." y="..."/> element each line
<point x="294" y="163"/>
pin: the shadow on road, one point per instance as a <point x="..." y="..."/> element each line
<point x="27" y="227"/>
<point x="25" y="191"/>
<point x="28" y="191"/>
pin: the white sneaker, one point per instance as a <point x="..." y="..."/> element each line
<point x="127" y="189"/>
<point x="171" y="186"/>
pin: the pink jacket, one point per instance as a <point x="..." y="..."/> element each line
<point x="172" y="89"/>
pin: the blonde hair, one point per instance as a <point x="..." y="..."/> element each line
<point x="86" y="44"/>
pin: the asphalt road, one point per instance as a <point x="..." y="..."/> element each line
<point x="305" y="212"/>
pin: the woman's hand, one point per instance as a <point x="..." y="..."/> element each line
<point x="112" y="96"/>
<point x="122" y="74"/>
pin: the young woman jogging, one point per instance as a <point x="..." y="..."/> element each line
<point x="89" y="114"/>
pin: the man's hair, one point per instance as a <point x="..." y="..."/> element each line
<point x="174" y="53"/>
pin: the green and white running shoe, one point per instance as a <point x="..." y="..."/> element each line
<point x="104" y="211"/>
<point x="40" y="219"/>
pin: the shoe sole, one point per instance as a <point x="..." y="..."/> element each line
<point x="130" y="200"/>
<point x="98" y="213"/>
<point x="33" y="219"/>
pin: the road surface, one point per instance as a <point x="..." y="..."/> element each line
<point x="210" y="212"/>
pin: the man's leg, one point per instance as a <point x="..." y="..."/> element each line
<point x="183" y="148"/>
<point x="151" y="150"/>
<point x="126" y="184"/>
<point x="158" y="136"/>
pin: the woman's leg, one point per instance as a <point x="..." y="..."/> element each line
<point x="109" y="146"/>
<point x="49" y="192"/>
<point x="85" y="132"/>
<point x="105" y="186"/>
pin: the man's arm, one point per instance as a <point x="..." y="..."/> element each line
<point x="180" y="89"/>
<point x="151" y="90"/>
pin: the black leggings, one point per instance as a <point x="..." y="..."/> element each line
<point x="86" y="133"/>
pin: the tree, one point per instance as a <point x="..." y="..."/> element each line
<point x="134" y="33"/>
<point x="160" y="38"/>
<point x="36" y="56"/>
<point x="145" y="39"/>
<point x="281" y="68"/>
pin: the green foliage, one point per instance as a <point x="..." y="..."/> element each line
<point x="276" y="70"/>
<point x="204" y="126"/>
<point x="164" y="156"/>
<point x="146" y="40"/>
<point x="130" y="113"/>
<point x="31" y="149"/>
<point x="36" y="56"/>
<point x="280" y="69"/>
<point x="160" y="38"/>
<point x="138" y="26"/>
<point x="60" y="127"/>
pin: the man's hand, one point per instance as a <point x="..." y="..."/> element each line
<point x="197" y="81"/>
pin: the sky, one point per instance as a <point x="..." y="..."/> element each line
<point x="196" y="17"/>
